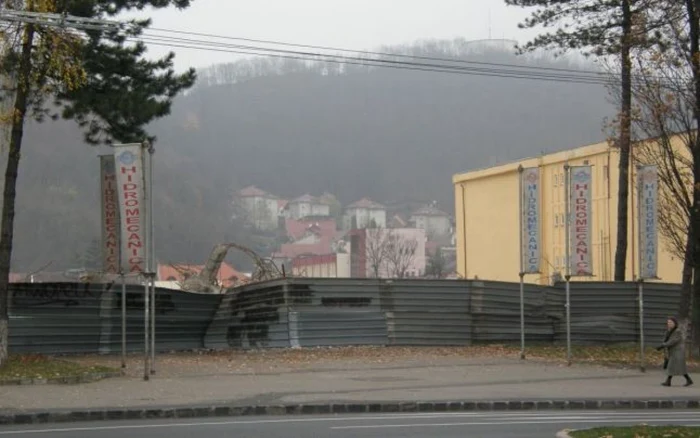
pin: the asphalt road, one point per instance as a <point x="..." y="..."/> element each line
<point x="462" y="425"/>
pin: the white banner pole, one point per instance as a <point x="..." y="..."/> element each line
<point x="647" y="216"/>
<point x="123" y="280"/>
<point x="567" y="276"/>
<point x="522" y="267"/>
<point x="151" y="258"/>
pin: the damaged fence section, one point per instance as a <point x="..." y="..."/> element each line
<point x="68" y="318"/>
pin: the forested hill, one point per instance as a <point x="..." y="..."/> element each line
<point x="292" y="127"/>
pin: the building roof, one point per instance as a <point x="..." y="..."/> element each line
<point x="430" y="211"/>
<point x="557" y="157"/>
<point x="398" y="222"/>
<point x="296" y="228"/>
<point x="252" y="191"/>
<point x="304" y="199"/>
<point x="319" y="200"/>
<point x="366" y="203"/>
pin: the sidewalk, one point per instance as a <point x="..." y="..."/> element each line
<point x="342" y="377"/>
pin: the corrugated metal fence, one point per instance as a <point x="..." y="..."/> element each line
<point x="84" y="318"/>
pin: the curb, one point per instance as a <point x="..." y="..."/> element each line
<point x="69" y="380"/>
<point x="233" y="410"/>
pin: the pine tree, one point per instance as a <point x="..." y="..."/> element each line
<point x="104" y="84"/>
<point x="598" y="27"/>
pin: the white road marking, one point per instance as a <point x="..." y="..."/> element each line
<point x="503" y="417"/>
<point x="646" y="420"/>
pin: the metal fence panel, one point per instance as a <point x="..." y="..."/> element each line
<point x="69" y="318"/>
<point x="339" y="328"/>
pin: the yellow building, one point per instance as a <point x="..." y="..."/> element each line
<point x="487" y="219"/>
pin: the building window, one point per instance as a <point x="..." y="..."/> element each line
<point x="556" y="220"/>
<point x="556" y="180"/>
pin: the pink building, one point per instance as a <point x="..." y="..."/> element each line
<point x="387" y="253"/>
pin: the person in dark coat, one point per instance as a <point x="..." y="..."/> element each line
<point x="674" y="353"/>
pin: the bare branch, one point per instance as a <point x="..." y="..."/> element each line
<point x="401" y="252"/>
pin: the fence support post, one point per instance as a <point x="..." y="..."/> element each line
<point x="522" y="315"/>
<point x="123" y="281"/>
<point x="568" y="320"/>
<point x="642" y="360"/>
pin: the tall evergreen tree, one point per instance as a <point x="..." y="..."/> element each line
<point x="103" y="83"/>
<point x="598" y="27"/>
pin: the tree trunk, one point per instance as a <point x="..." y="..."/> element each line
<point x="10" y="191"/>
<point x="695" y="318"/>
<point x="693" y="253"/>
<point x="625" y="141"/>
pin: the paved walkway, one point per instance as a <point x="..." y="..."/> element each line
<point x="270" y="380"/>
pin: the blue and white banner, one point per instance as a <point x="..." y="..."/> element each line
<point x="648" y="205"/>
<point x="530" y="223"/>
<point x="580" y="221"/>
<point x="132" y="208"/>
<point x="111" y="231"/>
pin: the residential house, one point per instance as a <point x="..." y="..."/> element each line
<point x="435" y="222"/>
<point x="309" y="236"/>
<point x="364" y="213"/>
<point x="307" y="205"/>
<point x="258" y="208"/>
<point x="297" y="229"/>
<point x="387" y="253"/>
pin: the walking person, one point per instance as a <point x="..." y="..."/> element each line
<point x="674" y="353"/>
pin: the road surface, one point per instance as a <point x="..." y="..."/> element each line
<point x="443" y="425"/>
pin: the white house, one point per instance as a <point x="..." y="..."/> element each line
<point x="435" y="222"/>
<point x="261" y="209"/>
<point x="307" y="205"/>
<point x="364" y="213"/>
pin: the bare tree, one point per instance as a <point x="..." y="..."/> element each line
<point x="400" y="254"/>
<point x="437" y="265"/>
<point x="376" y="245"/>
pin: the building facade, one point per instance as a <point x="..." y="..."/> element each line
<point x="259" y="208"/>
<point x="487" y="220"/>
<point x="435" y="222"/>
<point x="307" y="205"/>
<point x="364" y="213"/>
<point x="322" y="266"/>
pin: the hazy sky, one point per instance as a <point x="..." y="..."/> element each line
<point x="353" y="24"/>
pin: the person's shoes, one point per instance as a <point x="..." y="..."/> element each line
<point x="688" y="383"/>
<point x="666" y="384"/>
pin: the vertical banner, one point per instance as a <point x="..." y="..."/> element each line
<point x="132" y="208"/>
<point x="647" y="205"/>
<point x="530" y="220"/>
<point x="111" y="253"/>
<point x="581" y="220"/>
